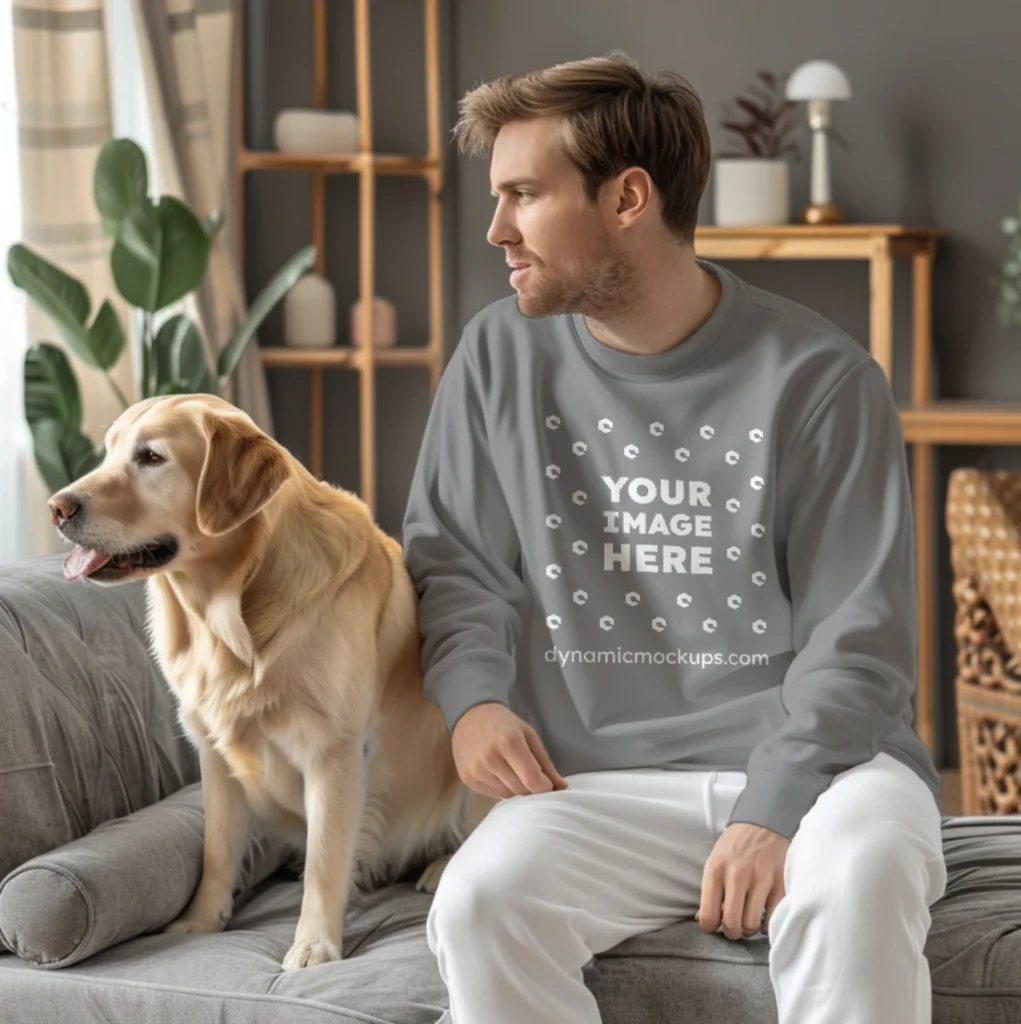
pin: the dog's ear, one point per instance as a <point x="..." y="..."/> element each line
<point x="242" y="471"/>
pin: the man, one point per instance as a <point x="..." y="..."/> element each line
<point x="660" y="529"/>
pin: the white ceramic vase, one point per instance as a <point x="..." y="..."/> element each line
<point x="310" y="313"/>
<point x="751" y="191"/>
<point x="317" y="131"/>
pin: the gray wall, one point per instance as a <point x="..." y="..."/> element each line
<point x="932" y="131"/>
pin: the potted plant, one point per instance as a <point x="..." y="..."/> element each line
<point x="752" y="184"/>
<point x="1009" y="279"/>
<point x="160" y="253"/>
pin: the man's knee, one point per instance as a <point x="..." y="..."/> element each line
<point x="476" y="895"/>
<point x="873" y="865"/>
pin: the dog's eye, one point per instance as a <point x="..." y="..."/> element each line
<point x="149" y="457"/>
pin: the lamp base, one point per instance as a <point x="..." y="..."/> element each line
<point x="822" y="213"/>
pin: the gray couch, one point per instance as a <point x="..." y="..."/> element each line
<point x="99" y="838"/>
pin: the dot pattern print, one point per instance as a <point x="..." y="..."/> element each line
<point x="660" y="485"/>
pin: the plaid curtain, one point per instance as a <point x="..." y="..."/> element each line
<point x="64" y="117"/>
<point x="186" y="48"/>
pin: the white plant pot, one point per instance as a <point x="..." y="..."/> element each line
<point x="751" y="191"/>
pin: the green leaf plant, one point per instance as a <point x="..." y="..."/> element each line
<point x="160" y="253"/>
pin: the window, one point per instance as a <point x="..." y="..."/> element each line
<point x="18" y="515"/>
<point x="15" y="442"/>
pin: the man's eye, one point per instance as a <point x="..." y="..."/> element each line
<point x="525" y="195"/>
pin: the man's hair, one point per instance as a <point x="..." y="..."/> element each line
<point x="616" y="116"/>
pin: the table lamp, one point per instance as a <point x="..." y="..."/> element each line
<point x="819" y="82"/>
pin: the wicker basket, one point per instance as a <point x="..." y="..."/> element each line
<point x="983" y="517"/>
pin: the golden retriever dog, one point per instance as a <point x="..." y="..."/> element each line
<point x="286" y="622"/>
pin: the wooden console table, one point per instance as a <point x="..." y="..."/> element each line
<point x="880" y="244"/>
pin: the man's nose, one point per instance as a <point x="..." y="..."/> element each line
<point x="63" y="506"/>
<point x="502" y="231"/>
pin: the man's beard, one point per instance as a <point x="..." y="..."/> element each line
<point x="600" y="287"/>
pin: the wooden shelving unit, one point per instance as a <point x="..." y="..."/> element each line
<point x="962" y="422"/>
<point x="926" y="422"/>
<point x="344" y="356"/>
<point x="366" y="164"/>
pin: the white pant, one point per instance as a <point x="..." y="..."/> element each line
<point x="550" y="879"/>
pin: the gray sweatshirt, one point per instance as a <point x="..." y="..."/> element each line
<point x="696" y="560"/>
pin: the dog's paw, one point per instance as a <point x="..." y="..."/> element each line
<point x="309" y="954"/>
<point x="185" y="925"/>
<point x="429" y="880"/>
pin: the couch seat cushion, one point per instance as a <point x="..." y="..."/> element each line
<point x="389" y="975"/>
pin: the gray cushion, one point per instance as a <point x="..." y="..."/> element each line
<point x="88" y="728"/>
<point x="130" y="876"/>
<point x="974" y="945"/>
<point x="389" y="975"/>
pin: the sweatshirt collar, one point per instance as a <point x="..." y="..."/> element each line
<point x="679" y="359"/>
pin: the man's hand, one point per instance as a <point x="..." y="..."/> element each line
<point x="499" y="754"/>
<point x="742" y="877"/>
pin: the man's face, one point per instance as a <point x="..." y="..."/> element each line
<point x="564" y="250"/>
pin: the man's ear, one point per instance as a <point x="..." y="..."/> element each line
<point x="242" y="471"/>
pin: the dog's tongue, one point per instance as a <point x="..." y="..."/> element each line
<point x="83" y="561"/>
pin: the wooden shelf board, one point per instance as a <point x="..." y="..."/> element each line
<point x="806" y="241"/>
<point x="819" y="231"/>
<point x="341" y="356"/>
<point x="961" y="421"/>
<point x="336" y="163"/>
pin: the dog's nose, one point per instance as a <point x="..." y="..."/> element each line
<point x="63" y="506"/>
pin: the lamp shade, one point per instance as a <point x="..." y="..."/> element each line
<point x="818" y="80"/>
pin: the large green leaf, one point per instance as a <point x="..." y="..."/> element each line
<point x="51" y="390"/>
<point x="181" y="359"/>
<point x="119" y="182"/>
<point x="106" y="337"/>
<point x="161" y="360"/>
<point x="61" y="297"/>
<point x="66" y="302"/>
<point x="47" y="436"/>
<point x="161" y="253"/>
<point x="59" y="452"/>
<point x="280" y="284"/>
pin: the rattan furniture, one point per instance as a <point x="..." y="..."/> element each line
<point x="983" y="520"/>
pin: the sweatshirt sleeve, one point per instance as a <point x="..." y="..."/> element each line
<point x="850" y="564"/>
<point x="462" y="550"/>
